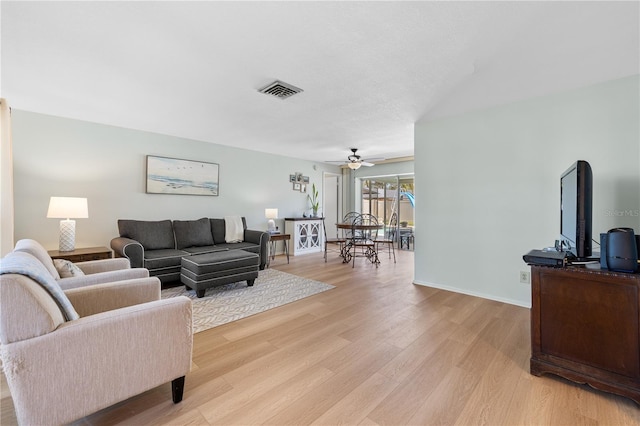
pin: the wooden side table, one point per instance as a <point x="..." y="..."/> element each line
<point x="82" y="254"/>
<point x="273" y="238"/>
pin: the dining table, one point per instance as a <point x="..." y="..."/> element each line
<point x="355" y="239"/>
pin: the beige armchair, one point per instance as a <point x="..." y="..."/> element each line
<point x="93" y="272"/>
<point x="68" y="354"/>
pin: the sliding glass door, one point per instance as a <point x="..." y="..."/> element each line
<point x="391" y="200"/>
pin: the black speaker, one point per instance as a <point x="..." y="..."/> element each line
<point x="620" y="250"/>
<point x="603" y="251"/>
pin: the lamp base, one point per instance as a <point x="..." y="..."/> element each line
<point x="67" y="235"/>
<point x="271" y="225"/>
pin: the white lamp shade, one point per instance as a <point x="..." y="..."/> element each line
<point x="354" y="165"/>
<point x="271" y="213"/>
<point x="68" y="207"/>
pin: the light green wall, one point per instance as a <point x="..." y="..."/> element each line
<point x="55" y="156"/>
<point x="488" y="183"/>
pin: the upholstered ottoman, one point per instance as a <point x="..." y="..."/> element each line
<point x="204" y="271"/>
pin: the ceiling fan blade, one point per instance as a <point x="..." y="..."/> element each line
<point x="355" y="158"/>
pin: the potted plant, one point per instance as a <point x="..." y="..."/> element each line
<point x="314" y="200"/>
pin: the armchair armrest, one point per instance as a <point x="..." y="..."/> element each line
<point x="131" y="249"/>
<point x="94" y="299"/>
<point x="126" y="352"/>
<point x="102" y="277"/>
<point x="104" y="265"/>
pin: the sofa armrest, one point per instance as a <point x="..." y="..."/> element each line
<point x="131" y="249"/>
<point x="102" y="278"/>
<point x="127" y="351"/>
<point x="94" y="299"/>
<point x="260" y="238"/>
<point x="104" y="265"/>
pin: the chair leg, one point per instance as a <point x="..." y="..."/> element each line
<point x="177" y="389"/>
<point x="325" y="251"/>
<point x="353" y="265"/>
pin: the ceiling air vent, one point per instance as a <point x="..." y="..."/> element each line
<point x="280" y="90"/>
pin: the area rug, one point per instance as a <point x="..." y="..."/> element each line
<point x="232" y="302"/>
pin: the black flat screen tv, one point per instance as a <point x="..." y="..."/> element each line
<point x="576" y="195"/>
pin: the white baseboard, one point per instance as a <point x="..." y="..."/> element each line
<point x="471" y="293"/>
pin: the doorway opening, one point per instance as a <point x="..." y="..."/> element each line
<point x="331" y="202"/>
<point x="391" y="200"/>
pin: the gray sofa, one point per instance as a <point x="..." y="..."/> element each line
<point x="159" y="246"/>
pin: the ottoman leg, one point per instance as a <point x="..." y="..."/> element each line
<point x="200" y="293"/>
<point x="250" y="282"/>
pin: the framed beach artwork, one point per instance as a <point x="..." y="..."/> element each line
<point x="181" y="177"/>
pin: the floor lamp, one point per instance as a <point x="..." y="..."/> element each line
<point x="66" y="208"/>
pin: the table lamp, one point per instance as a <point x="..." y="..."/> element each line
<point x="66" y="208"/>
<point x="271" y="214"/>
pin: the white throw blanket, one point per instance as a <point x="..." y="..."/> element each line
<point x="23" y="263"/>
<point x="233" y="229"/>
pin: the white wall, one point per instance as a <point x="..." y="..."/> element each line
<point x="488" y="183"/>
<point x="6" y="179"/>
<point x="55" y="156"/>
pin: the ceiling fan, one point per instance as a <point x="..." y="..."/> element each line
<point x="354" y="161"/>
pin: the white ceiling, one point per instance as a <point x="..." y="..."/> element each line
<point x="369" y="70"/>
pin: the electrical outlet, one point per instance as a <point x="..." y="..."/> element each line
<point x="524" y="277"/>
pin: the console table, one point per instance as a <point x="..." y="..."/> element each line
<point x="585" y="327"/>
<point x="306" y="234"/>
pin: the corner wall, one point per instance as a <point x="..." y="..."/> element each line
<point x="56" y="156"/>
<point x="489" y="183"/>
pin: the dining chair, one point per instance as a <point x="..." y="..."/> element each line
<point x="388" y="237"/>
<point x="363" y="238"/>
<point x="338" y="241"/>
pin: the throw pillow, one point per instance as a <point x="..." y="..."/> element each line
<point x="67" y="269"/>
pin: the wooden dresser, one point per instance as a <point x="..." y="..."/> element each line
<point x="585" y="327"/>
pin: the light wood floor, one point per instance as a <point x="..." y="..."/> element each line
<point x="376" y="350"/>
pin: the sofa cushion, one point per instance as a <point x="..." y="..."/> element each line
<point x="153" y="235"/>
<point x="217" y="230"/>
<point x="67" y="269"/>
<point x="250" y="247"/>
<point x="158" y="259"/>
<point x="204" y="249"/>
<point x="192" y="233"/>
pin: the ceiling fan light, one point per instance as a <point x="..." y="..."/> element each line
<point x="354" y="165"/>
